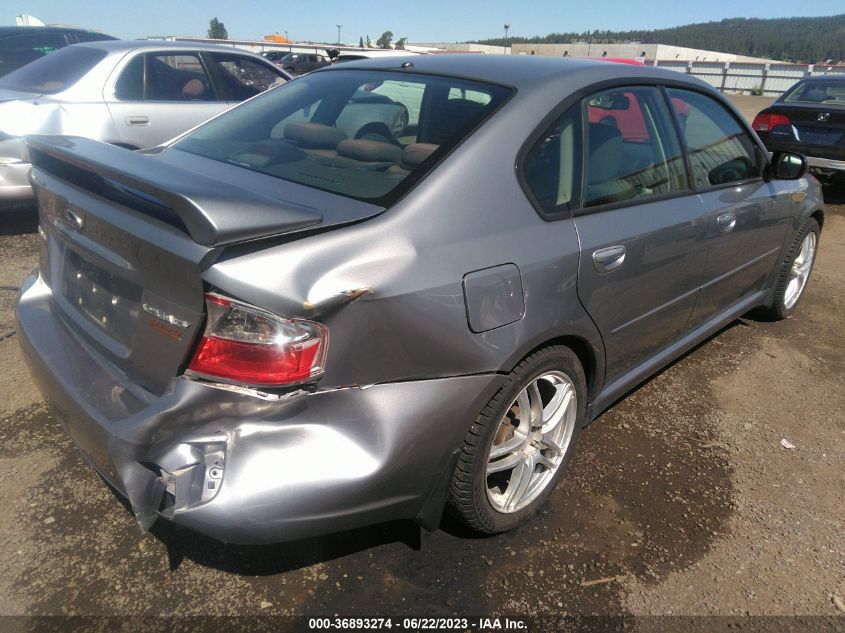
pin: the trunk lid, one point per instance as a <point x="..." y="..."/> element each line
<point x="811" y="124"/>
<point x="126" y="240"/>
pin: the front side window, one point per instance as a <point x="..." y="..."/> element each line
<point x="348" y="132"/>
<point x="244" y="77"/>
<point x="631" y="148"/>
<point x="553" y="165"/>
<point x="55" y="72"/>
<point x="720" y="150"/>
<point x="181" y="77"/>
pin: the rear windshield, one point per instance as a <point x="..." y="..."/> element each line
<point x="363" y="134"/>
<point x="55" y="72"/>
<point x="826" y="92"/>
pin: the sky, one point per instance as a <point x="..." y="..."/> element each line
<point x="433" y="21"/>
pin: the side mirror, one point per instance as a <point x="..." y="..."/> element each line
<point x="788" y="166"/>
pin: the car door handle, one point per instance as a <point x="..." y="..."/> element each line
<point x="137" y="120"/>
<point x="610" y="258"/>
<point x="726" y="222"/>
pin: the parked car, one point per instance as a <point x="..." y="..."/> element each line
<point x="268" y="329"/>
<point x="132" y="94"/>
<point x="297" y="63"/>
<point x="20" y="45"/>
<point x="810" y="119"/>
<point x="370" y="53"/>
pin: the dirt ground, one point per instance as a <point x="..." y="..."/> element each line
<point x="681" y="500"/>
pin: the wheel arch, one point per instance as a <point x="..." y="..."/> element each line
<point x="590" y="354"/>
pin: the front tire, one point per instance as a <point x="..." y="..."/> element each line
<point x="795" y="272"/>
<point x="518" y="448"/>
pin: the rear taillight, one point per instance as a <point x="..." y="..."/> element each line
<point x="247" y="345"/>
<point x="766" y="122"/>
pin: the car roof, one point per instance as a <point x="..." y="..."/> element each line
<point x="117" y="46"/>
<point x="831" y="77"/>
<point x="6" y="31"/>
<point x="517" y="70"/>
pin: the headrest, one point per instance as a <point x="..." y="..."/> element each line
<point x="416" y="153"/>
<point x="314" y="135"/>
<point x="369" y="151"/>
<point x="604" y="152"/>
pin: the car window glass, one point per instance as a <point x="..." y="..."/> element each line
<point x="244" y="77"/>
<point x="552" y="166"/>
<point x="19" y="50"/>
<point x="177" y="78"/>
<point x="720" y="150"/>
<point x="54" y="73"/>
<point x="827" y="92"/>
<point x="341" y="132"/>
<point x="130" y="85"/>
<point x="631" y="148"/>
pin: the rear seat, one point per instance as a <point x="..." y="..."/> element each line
<point x="412" y="156"/>
<point x="363" y="151"/>
<point x="315" y="139"/>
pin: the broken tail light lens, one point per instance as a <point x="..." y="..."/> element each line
<point x="247" y="345"/>
<point x="765" y="122"/>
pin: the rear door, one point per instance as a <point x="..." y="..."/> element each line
<point x="642" y="252"/>
<point x="157" y="96"/>
<point x="746" y="217"/>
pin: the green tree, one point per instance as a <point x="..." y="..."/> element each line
<point x="361" y="42"/>
<point x="217" y="30"/>
<point x="400" y="44"/>
<point x="385" y="40"/>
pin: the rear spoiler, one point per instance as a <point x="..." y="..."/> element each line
<point x="213" y="213"/>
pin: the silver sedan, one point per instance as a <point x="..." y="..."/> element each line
<point x="134" y="94"/>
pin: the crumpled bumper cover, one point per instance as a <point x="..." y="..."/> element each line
<point x="246" y="469"/>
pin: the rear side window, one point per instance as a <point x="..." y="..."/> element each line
<point x="55" y="72"/>
<point x="720" y="150"/>
<point x="349" y="132"/>
<point x="631" y="148"/>
<point x="552" y="167"/>
<point x="244" y="77"/>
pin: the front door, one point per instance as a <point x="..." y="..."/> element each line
<point x="746" y="218"/>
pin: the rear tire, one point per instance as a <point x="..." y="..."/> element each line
<point x="518" y="448"/>
<point x="795" y="272"/>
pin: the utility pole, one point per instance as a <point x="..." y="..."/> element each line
<point x="339" y="26"/>
<point x="507" y="41"/>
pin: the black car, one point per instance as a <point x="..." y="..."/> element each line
<point x="297" y="63"/>
<point x="20" y="45"/>
<point x="809" y="119"/>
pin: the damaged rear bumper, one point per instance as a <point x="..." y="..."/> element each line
<point x="246" y="469"/>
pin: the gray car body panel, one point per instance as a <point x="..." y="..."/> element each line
<point x="406" y="374"/>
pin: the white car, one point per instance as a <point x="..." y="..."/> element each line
<point x="135" y="94"/>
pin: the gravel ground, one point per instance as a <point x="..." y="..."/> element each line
<point x="680" y="500"/>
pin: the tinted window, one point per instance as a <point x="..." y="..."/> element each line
<point x="130" y="84"/>
<point x="631" y="148"/>
<point x="91" y="36"/>
<point x="341" y="132"/>
<point x="244" y="77"/>
<point x="552" y="167"/>
<point x="54" y="73"/>
<point x="827" y="92"/>
<point x="177" y="78"/>
<point x="19" y="50"/>
<point x="720" y="150"/>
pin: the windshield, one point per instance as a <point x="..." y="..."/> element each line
<point x="357" y="133"/>
<point x="826" y="92"/>
<point x="54" y="73"/>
